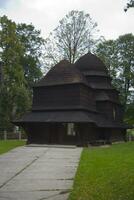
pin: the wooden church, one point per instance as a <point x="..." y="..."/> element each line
<point x="75" y="104"/>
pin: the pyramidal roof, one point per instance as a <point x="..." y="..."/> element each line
<point x="62" y="73"/>
<point x="90" y="64"/>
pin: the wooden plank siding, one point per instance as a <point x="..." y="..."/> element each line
<point x="81" y="94"/>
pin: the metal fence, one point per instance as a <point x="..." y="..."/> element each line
<point x="130" y="138"/>
<point x="130" y="135"/>
<point x="4" y="135"/>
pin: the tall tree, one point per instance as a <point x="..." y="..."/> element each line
<point x="21" y="57"/>
<point x="31" y="59"/>
<point x="129" y="115"/>
<point x="125" y="63"/>
<point x="106" y="51"/>
<point x="14" y="98"/>
<point x="118" y="55"/>
<point x="73" y="37"/>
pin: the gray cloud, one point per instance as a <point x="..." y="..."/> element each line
<point x="45" y="14"/>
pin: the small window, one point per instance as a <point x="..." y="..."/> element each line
<point x="70" y="129"/>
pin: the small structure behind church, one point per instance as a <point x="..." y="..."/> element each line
<point x="75" y="104"/>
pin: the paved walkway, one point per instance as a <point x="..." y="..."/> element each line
<point x="38" y="173"/>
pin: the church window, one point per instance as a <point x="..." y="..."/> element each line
<point x="70" y="129"/>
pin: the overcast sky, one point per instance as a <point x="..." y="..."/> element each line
<point x="45" y="14"/>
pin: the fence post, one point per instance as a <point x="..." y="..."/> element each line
<point x="130" y="138"/>
<point x="19" y="135"/>
<point x="5" y="135"/>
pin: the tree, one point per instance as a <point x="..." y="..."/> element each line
<point x="129" y="115"/>
<point x="106" y="52"/>
<point x="31" y="59"/>
<point x="73" y="37"/>
<point x="125" y="63"/>
<point x="118" y="55"/>
<point x="130" y="4"/>
<point x="14" y="98"/>
<point x="20" y="54"/>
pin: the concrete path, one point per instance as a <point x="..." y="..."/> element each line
<point x="38" y="173"/>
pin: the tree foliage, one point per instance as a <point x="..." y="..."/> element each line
<point x="118" y="55"/>
<point x="130" y="4"/>
<point x="106" y="51"/>
<point x="33" y="51"/>
<point x="129" y="115"/>
<point x="19" y="51"/>
<point x="13" y="83"/>
<point x="125" y="51"/>
<point x="73" y="37"/>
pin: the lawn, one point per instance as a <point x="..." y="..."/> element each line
<point x="10" y="144"/>
<point x="105" y="174"/>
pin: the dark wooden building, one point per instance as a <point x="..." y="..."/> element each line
<point x="75" y="104"/>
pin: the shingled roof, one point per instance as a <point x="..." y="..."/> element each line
<point x="62" y="73"/>
<point x="101" y="85"/>
<point x="102" y="96"/>
<point x="90" y="64"/>
<point x="57" y="116"/>
<point x="96" y="73"/>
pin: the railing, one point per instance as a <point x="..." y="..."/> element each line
<point x="12" y="136"/>
<point x="130" y="135"/>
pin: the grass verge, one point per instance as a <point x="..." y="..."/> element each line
<point x="10" y="144"/>
<point x="105" y="174"/>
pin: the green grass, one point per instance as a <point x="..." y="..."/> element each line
<point x="105" y="174"/>
<point x="10" y="144"/>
